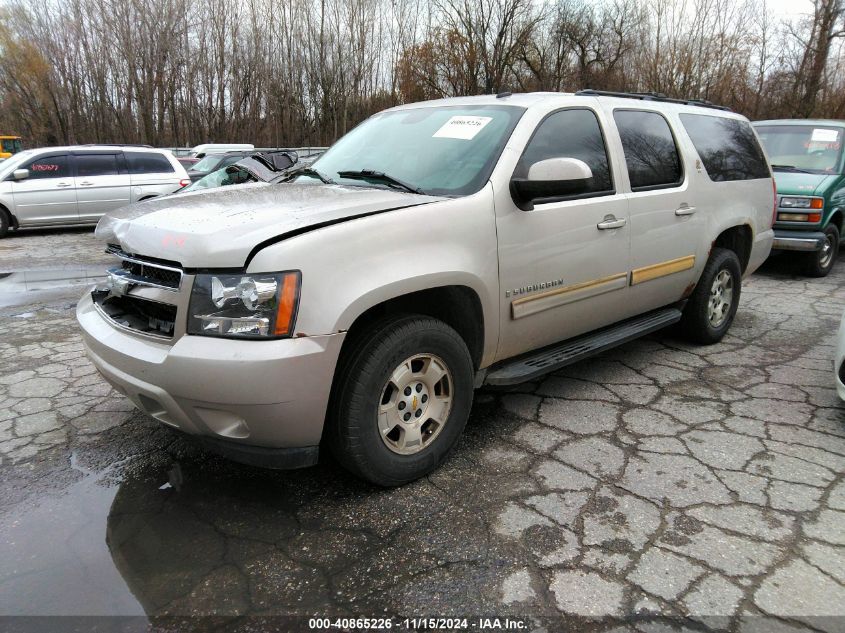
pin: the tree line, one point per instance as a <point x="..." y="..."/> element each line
<point x="303" y="72"/>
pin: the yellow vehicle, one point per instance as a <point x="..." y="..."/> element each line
<point x="9" y="145"/>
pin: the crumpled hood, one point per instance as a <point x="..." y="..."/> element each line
<point x="218" y="228"/>
<point x="797" y="184"/>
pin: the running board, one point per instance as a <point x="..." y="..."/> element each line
<point x="552" y="358"/>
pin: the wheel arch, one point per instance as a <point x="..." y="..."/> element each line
<point x="836" y="218"/>
<point x="13" y="221"/>
<point x="459" y="306"/>
<point x="739" y="239"/>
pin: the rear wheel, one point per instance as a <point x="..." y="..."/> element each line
<point x="820" y="263"/>
<point x="403" y="398"/>
<point x="711" y="307"/>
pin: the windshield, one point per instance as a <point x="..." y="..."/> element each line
<point x="810" y="148"/>
<point x="11" y="145"/>
<point x="439" y="150"/>
<point x="231" y="175"/>
<point x="208" y="163"/>
<point x="10" y="164"/>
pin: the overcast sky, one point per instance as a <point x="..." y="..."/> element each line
<point x="790" y="7"/>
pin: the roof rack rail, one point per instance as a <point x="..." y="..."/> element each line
<point x="651" y="96"/>
<point x="114" y="145"/>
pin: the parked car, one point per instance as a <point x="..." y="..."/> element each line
<point x="807" y="159"/>
<point x="435" y="248"/>
<point x="255" y="168"/>
<point x="78" y="184"/>
<point x="187" y="161"/>
<point x="214" y="161"/>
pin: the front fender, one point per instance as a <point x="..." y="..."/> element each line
<point x="350" y="267"/>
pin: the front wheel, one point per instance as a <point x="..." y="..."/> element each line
<point x="820" y="263"/>
<point x="402" y="400"/>
<point x="711" y="307"/>
<point x="5" y="222"/>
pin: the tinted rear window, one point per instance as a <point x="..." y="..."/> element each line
<point x="90" y="165"/>
<point x="650" y="151"/>
<point x="727" y="147"/>
<point x="148" y="163"/>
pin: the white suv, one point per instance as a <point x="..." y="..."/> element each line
<point x="78" y="184"/>
<point x="437" y="247"/>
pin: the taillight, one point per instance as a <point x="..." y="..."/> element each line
<point x="184" y="182"/>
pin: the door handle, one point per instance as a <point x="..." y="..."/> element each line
<point x="610" y="222"/>
<point x="85" y="183"/>
<point x="684" y="209"/>
<point x="62" y="185"/>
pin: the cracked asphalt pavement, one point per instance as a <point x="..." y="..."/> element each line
<point x="659" y="479"/>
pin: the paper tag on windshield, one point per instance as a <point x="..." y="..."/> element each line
<point x="821" y="135"/>
<point x="462" y="127"/>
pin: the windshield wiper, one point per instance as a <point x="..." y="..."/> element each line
<point x="369" y="174"/>
<point x="792" y="168"/>
<point x="309" y="171"/>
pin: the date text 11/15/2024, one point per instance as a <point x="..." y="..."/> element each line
<point x="419" y="624"/>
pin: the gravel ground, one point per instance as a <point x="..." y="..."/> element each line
<point x="659" y="479"/>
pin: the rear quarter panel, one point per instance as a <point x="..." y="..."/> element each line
<point x="726" y="204"/>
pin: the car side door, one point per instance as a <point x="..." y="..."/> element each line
<point x="152" y="174"/>
<point x="47" y="195"/>
<point x="102" y="184"/>
<point x="666" y="225"/>
<point x="563" y="264"/>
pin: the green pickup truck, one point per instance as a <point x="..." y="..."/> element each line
<point x="807" y="161"/>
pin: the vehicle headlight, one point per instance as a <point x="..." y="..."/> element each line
<point x="796" y="202"/>
<point x="261" y="305"/>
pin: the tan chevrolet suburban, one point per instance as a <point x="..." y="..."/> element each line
<point x="437" y="247"/>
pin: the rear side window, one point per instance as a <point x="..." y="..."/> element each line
<point x="147" y="163"/>
<point x="49" y="167"/>
<point x="727" y="147"/>
<point x="570" y="134"/>
<point x="650" y="150"/>
<point x="89" y="165"/>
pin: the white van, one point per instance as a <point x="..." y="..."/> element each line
<point x="76" y="185"/>
<point x="201" y="150"/>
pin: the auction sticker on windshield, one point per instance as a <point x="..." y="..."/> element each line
<point x="462" y="127"/>
<point x="825" y="136"/>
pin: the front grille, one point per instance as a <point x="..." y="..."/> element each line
<point x="147" y="271"/>
<point x="122" y="298"/>
<point x="162" y="276"/>
<point x="135" y="313"/>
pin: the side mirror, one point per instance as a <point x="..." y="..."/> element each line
<point x="550" y="178"/>
<point x="20" y="174"/>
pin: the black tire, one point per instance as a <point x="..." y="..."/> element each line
<point x="352" y="432"/>
<point x="5" y="222"/>
<point x="696" y="321"/>
<point x="820" y="263"/>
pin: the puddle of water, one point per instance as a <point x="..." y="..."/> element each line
<point x="55" y="559"/>
<point x="209" y="538"/>
<point x="23" y="287"/>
